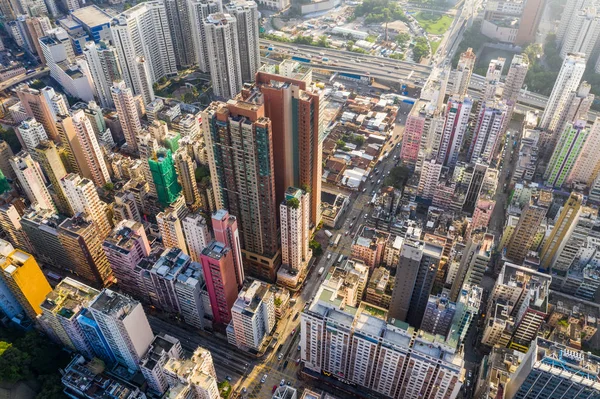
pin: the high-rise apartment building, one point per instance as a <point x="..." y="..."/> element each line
<point x="124" y="326"/>
<point x="550" y="369"/>
<point x="105" y="68"/>
<point x="83" y="198"/>
<point x="21" y="274"/>
<point x="199" y="10"/>
<point x="225" y="228"/>
<point x="143" y="40"/>
<point x="463" y="72"/>
<point x="184" y="166"/>
<point x="60" y="311"/>
<point x="162" y="349"/>
<point x="6" y="154"/>
<point x="439" y="314"/>
<point x="530" y="21"/>
<point x="197" y="235"/>
<point x="419" y="262"/>
<point x="193" y="378"/>
<point x="567" y="81"/>
<point x="124" y="101"/>
<point x="294" y="215"/>
<point x="83" y="246"/>
<point x="171" y="232"/>
<point x="415" y="129"/>
<point x="224" y="61"/>
<point x="587" y="165"/>
<point x="125" y="247"/>
<point x="524" y="234"/>
<point x="252" y="317"/>
<point x="246" y="15"/>
<point x="47" y="155"/>
<point x="41" y="227"/>
<point x="515" y="79"/>
<point x="294" y="107"/>
<point x="455" y="128"/>
<point x="582" y="33"/>
<point x="221" y="282"/>
<point x="357" y="346"/>
<point x="571" y="10"/>
<point x="586" y="222"/>
<point x="164" y="176"/>
<point x="428" y="181"/>
<point x="474" y="261"/>
<point x="578" y="105"/>
<point x="30" y="177"/>
<point x="566" y="152"/>
<point x="563" y="228"/>
<point x="239" y="145"/>
<point x="487" y="131"/>
<point x="10" y="223"/>
<point x="90" y="159"/>
<point x="35" y="104"/>
<point x="492" y="80"/>
<point x="179" y="23"/>
<point x="31" y="132"/>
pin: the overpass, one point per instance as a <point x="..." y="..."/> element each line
<point x="22" y="78"/>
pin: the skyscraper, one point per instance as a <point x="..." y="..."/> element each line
<point x="414" y="130"/>
<point x="587" y="164"/>
<point x="578" y="104"/>
<point x="10" y="223"/>
<point x="567" y="150"/>
<point x="492" y="80"/>
<point x="31" y="132"/>
<point x="582" y="33"/>
<point x="455" y="127"/>
<point x="90" y="160"/>
<point x="223" y="54"/>
<point x="463" y="72"/>
<point x="197" y="235"/>
<point x="105" y="68"/>
<point x="6" y="154"/>
<point x="294" y="215"/>
<point x="124" y="325"/>
<point x="21" y="274"/>
<point x="529" y="21"/>
<point x="515" y="78"/>
<point x="199" y="10"/>
<point x="144" y="45"/>
<point x="83" y="198"/>
<point x="225" y="227"/>
<point x="568" y="80"/>
<point x="419" y="262"/>
<point x="178" y="17"/>
<point x="294" y="107"/>
<point x="195" y="375"/>
<point x="528" y="225"/>
<point x="572" y="8"/>
<point x="125" y="247"/>
<point x="563" y="228"/>
<point x="487" y="131"/>
<point x="83" y="246"/>
<point x="48" y="157"/>
<point x="221" y="282"/>
<point x="185" y="174"/>
<point x="164" y="176"/>
<point x="239" y="145"/>
<point x="246" y="14"/>
<point x="122" y="97"/>
<point x="438" y="316"/>
<point x="35" y="105"/>
<point x="170" y="230"/>
<point x="31" y="180"/>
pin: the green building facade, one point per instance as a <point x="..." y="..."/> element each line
<point x="164" y="176"/>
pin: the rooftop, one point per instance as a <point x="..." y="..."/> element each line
<point x="250" y="298"/>
<point x="91" y="16"/>
<point x="113" y="304"/>
<point x="69" y="297"/>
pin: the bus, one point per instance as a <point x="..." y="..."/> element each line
<point x="340" y="259"/>
<point x="337" y="240"/>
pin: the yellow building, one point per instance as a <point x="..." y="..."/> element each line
<point x="25" y="279"/>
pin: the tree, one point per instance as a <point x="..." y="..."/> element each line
<point x="402" y="39"/>
<point x="421" y="49"/>
<point x="109" y="186"/>
<point x="277" y="302"/>
<point x="316" y="247"/>
<point x="188" y="97"/>
<point x="349" y="44"/>
<point x="340" y="143"/>
<point x="323" y="41"/>
<point x="52" y="387"/>
<point x="293" y="203"/>
<point x="303" y="40"/>
<point x="397" y="177"/>
<point x="11" y="138"/>
<point x="14" y="363"/>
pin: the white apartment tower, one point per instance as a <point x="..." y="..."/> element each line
<point x="586" y="167"/>
<point x="571" y="10"/>
<point x="124" y="326"/>
<point x="178" y="14"/>
<point x="104" y="66"/>
<point x="199" y="10"/>
<point x="224" y="54"/>
<point x="141" y="35"/>
<point x="91" y="151"/>
<point x="31" y="133"/>
<point x="82" y="196"/>
<point x="252" y="316"/>
<point x="246" y="14"/>
<point x="32" y="180"/>
<point x="492" y="80"/>
<point x="197" y="235"/>
<point x="515" y="78"/>
<point x="582" y="33"/>
<point x="487" y="131"/>
<point x="455" y="127"/>
<point x="463" y="72"/>
<point x="294" y="213"/>
<point x="124" y="101"/>
<point x="428" y="181"/>
<point x="567" y="81"/>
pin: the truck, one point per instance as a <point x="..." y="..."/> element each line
<point x="340" y="259"/>
<point x="321" y="270"/>
<point x="337" y="240"/>
<point x="328" y="233"/>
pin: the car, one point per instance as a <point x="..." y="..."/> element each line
<point x="274" y="389"/>
<point x="354" y="217"/>
<point x="298" y="361"/>
<point x="244" y="390"/>
<point x="280" y="356"/>
<point x="328" y="256"/>
<point x="378" y="181"/>
<point x="299" y="348"/>
<point x="364" y="189"/>
<point x="366" y="216"/>
<point x="228" y="378"/>
<point x="351" y="225"/>
<point x="263" y="379"/>
<point x="293" y="331"/>
<point x="285" y="364"/>
<point x="470" y="374"/>
<point x="281" y="383"/>
<point x="289" y="383"/>
<point x="296" y="316"/>
<point x="346" y="233"/>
